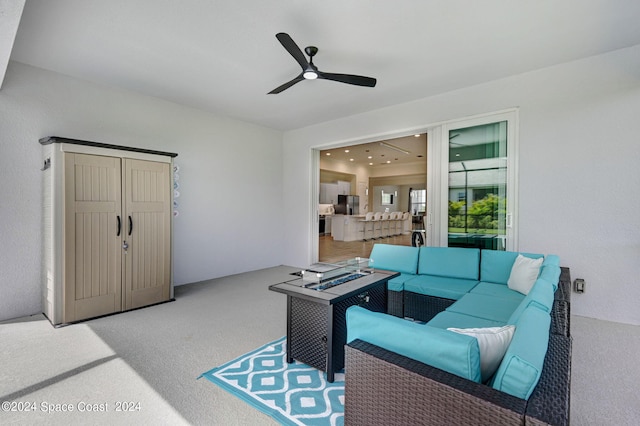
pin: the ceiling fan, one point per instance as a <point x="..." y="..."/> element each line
<point x="310" y="71"/>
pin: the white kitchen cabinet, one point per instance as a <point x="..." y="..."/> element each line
<point x="328" y="193"/>
<point x="344" y="188"/>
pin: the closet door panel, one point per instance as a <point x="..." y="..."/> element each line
<point x="147" y="198"/>
<point x="93" y="259"/>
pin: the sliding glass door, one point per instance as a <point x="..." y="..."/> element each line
<point x="478" y="183"/>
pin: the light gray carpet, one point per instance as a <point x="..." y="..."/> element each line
<point x="605" y="381"/>
<point x="153" y="356"/>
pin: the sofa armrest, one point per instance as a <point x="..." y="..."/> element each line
<point x="561" y="311"/>
<point x="564" y="285"/>
<point x="560" y="318"/>
<point x="550" y="401"/>
<point x="382" y="387"/>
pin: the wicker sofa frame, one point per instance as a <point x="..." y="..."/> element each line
<point x="385" y="388"/>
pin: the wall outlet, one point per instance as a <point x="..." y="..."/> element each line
<point x="578" y="285"/>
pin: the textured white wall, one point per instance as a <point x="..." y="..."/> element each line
<point x="230" y="178"/>
<point x="10" y="14"/>
<point x="578" y="175"/>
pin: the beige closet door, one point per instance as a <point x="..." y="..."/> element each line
<point x="92" y="246"/>
<point x="147" y="213"/>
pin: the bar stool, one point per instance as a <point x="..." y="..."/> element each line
<point x="366" y="226"/>
<point x="385" y="224"/>
<point x="377" y="225"/>
<point x="394" y="224"/>
<point x="406" y="216"/>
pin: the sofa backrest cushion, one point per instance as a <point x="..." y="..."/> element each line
<point x="551" y="273"/>
<point x="454" y="262"/>
<point x="394" y="258"/>
<point x="452" y="352"/>
<point x="541" y="295"/>
<point x="551" y="259"/>
<point x="495" y="265"/>
<point x="520" y="369"/>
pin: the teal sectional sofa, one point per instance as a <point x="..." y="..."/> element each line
<point x="491" y="328"/>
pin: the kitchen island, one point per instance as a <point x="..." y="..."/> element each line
<point x="350" y="227"/>
<point x="346" y="227"/>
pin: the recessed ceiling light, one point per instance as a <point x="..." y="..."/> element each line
<point x="328" y="153"/>
<point x="350" y="159"/>
<point x="371" y="164"/>
<point x="417" y="136"/>
<point x="370" y="157"/>
<point x="388" y="161"/>
<point x="346" y="150"/>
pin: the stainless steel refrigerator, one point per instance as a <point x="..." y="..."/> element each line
<point x="348" y="204"/>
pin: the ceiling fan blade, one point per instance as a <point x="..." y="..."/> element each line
<point x="358" y="80"/>
<point x="286" y="85"/>
<point x="293" y="49"/>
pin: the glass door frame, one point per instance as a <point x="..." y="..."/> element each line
<point x="438" y="176"/>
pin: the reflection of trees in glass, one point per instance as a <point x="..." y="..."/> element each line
<point x="486" y="213"/>
<point x="456" y="219"/>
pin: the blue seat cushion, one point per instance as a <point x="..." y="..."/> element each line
<point x="497" y="290"/>
<point x="445" y="287"/>
<point x="454" y="262"/>
<point x="446" y="319"/>
<point x="391" y="257"/>
<point x="453" y="352"/>
<point x="397" y="283"/>
<point x="487" y="307"/>
<point x="495" y="265"/>
<point x="520" y="370"/>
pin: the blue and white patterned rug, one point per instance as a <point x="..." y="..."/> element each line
<point x="293" y="394"/>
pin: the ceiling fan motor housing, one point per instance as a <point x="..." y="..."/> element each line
<point x="310" y="71"/>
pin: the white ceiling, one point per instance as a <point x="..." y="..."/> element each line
<point x="403" y="150"/>
<point x="222" y="56"/>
